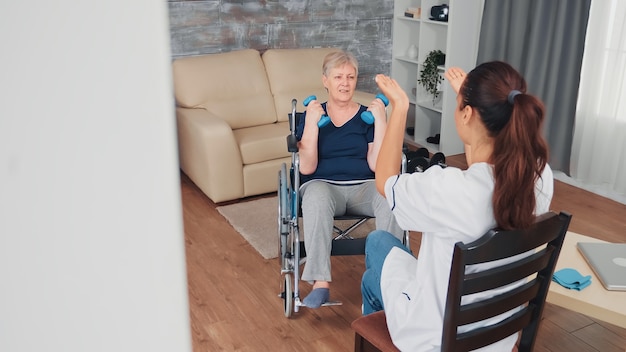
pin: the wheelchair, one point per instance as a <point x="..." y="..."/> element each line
<point x="291" y="246"/>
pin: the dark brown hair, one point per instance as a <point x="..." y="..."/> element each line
<point x="514" y="119"/>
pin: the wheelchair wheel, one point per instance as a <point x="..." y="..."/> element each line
<point x="288" y="292"/>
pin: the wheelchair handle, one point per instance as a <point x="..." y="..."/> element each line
<point x="325" y="119"/>
<point x="292" y="121"/>
<point x="367" y="116"/>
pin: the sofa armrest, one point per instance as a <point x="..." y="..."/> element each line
<point x="209" y="154"/>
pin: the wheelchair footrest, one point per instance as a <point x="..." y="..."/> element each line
<point x="327" y="304"/>
<point x="355" y="246"/>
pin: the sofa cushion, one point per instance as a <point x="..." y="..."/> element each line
<point x="295" y="73"/>
<point x="262" y="143"/>
<point x="230" y="85"/>
<point x="262" y="178"/>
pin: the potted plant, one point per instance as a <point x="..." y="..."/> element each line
<point x="429" y="75"/>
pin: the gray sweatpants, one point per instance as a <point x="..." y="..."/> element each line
<point x="321" y="201"/>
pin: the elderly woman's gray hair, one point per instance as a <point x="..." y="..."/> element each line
<point x="338" y="59"/>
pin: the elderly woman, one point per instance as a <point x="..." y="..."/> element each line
<point x="337" y="164"/>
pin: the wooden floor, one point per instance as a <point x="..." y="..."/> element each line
<point x="233" y="291"/>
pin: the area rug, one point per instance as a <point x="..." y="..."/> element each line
<point x="257" y="222"/>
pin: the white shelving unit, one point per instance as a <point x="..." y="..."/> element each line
<point x="458" y="39"/>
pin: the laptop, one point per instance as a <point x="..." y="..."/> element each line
<point x="608" y="261"/>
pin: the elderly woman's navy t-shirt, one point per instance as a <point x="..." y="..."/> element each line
<point x="341" y="151"/>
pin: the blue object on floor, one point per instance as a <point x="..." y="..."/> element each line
<point x="571" y="279"/>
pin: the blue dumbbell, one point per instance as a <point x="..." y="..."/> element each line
<point x="325" y="119"/>
<point x="367" y="116"/>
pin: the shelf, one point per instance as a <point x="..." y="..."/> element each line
<point x="409" y="140"/>
<point x="440" y="23"/>
<point x="428" y="104"/>
<point x="407" y="59"/>
<point x="410" y="19"/>
<point x="458" y="39"/>
<point x="425" y="100"/>
<point x="420" y="143"/>
<point x="440" y="68"/>
<point x="433" y="148"/>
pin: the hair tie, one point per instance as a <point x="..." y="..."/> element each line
<point x="512" y="96"/>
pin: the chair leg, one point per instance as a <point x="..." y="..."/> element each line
<point x="362" y="345"/>
<point x="358" y="343"/>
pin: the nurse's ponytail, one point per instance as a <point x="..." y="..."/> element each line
<point x="514" y="119"/>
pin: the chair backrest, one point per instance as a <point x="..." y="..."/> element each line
<point x="544" y="239"/>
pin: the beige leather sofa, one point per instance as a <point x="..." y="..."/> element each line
<point x="232" y="115"/>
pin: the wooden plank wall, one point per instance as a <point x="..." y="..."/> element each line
<point x="360" y="26"/>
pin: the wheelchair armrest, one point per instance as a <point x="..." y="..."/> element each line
<point x="292" y="143"/>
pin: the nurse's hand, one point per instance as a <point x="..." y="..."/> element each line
<point x="392" y="90"/>
<point x="455" y="76"/>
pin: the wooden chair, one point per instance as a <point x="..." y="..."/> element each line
<point x="545" y="237"/>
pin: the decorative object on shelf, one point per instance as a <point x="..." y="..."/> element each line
<point x="413" y="12"/>
<point x="439" y="13"/>
<point x="429" y="75"/>
<point x="411" y="52"/>
<point x="434" y="140"/>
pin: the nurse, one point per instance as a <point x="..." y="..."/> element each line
<point x="507" y="183"/>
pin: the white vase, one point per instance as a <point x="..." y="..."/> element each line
<point x="412" y="51"/>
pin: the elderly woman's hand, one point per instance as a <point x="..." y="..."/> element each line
<point x="377" y="107"/>
<point x="314" y="112"/>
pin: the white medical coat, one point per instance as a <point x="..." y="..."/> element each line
<point x="447" y="205"/>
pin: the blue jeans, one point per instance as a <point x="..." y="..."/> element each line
<point x="377" y="245"/>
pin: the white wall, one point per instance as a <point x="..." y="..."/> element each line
<point x="91" y="237"/>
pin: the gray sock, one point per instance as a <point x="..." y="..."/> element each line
<point x="316" y="298"/>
